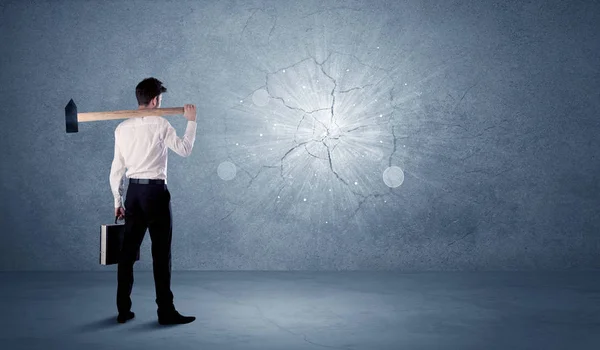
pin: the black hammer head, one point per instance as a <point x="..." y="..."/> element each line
<point x="71" y="117"/>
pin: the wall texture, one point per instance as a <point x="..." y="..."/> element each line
<point x="417" y="135"/>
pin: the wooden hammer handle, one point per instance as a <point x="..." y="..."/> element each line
<point x="135" y="113"/>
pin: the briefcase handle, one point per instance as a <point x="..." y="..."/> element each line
<point x="116" y="217"/>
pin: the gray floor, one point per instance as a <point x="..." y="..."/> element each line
<point x="303" y="310"/>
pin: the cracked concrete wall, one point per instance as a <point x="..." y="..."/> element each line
<point x="333" y="135"/>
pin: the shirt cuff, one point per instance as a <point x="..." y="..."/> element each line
<point x="118" y="203"/>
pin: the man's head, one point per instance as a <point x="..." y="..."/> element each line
<point x="149" y="93"/>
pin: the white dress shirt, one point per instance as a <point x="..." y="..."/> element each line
<point x="141" y="147"/>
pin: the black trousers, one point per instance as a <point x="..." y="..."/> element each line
<point x="147" y="206"/>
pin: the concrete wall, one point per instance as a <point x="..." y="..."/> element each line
<point x="418" y="135"/>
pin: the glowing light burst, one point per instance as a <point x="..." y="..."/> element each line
<point x="316" y="140"/>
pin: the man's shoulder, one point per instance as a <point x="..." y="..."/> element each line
<point x="155" y="119"/>
<point x="152" y="119"/>
<point x="164" y="122"/>
<point x="121" y="125"/>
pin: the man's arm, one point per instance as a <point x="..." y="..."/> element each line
<point x="117" y="171"/>
<point x="182" y="146"/>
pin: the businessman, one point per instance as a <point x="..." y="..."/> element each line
<point x="141" y="148"/>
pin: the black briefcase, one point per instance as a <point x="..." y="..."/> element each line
<point x="111" y="241"/>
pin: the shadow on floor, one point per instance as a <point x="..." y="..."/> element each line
<point x="132" y="325"/>
<point x="150" y="326"/>
<point x="107" y="322"/>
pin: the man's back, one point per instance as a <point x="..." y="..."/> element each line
<point x="144" y="142"/>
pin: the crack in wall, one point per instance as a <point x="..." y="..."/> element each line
<point x="333" y="121"/>
<point x="254" y="11"/>
<point x="326" y="136"/>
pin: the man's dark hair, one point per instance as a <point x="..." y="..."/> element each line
<point x="148" y="89"/>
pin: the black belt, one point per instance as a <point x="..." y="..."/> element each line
<point x="147" y="181"/>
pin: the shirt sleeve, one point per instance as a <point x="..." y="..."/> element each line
<point x="182" y="146"/>
<point x="117" y="171"/>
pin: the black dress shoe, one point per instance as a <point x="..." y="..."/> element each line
<point x="174" y="317"/>
<point x="124" y="317"/>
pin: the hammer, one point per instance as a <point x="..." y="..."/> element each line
<point x="72" y="118"/>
